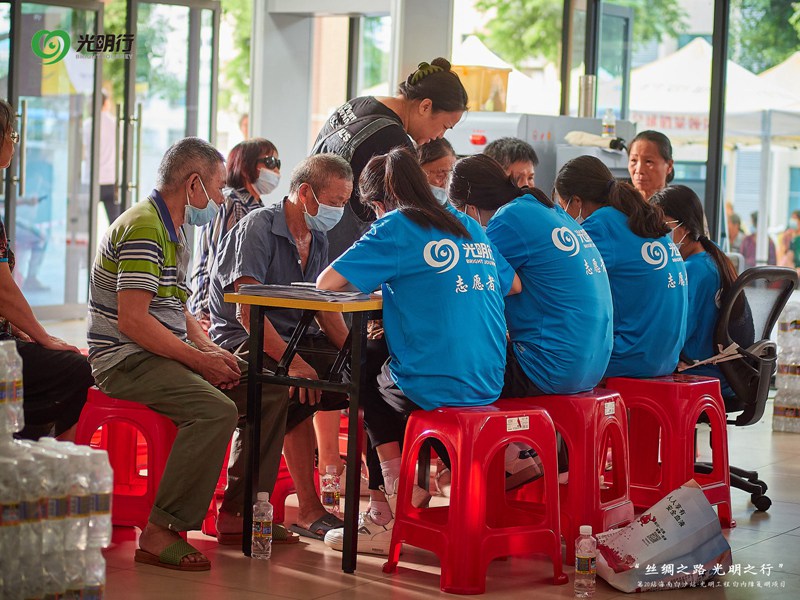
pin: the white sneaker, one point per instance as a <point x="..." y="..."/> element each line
<point x="372" y="538"/>
<point x="420" y="498"/>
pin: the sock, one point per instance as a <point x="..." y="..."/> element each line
<point x="390" y="469"/>
<point x="380" y="512"/>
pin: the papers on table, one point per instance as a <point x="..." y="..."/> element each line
<point x="301" y="291"/>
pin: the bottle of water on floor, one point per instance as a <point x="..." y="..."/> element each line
<point x="261" y="546"/>
<point x="585" y="563"/>
<point x="331" y="492"/>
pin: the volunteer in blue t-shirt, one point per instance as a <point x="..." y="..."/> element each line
<point x="646" y="271"/>
<point x="442" y="315"/>
<point x="710" y="274"/>
<point x="560" y="325"/>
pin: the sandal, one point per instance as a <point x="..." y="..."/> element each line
<point x="320" y="527"/>
<point x="280" y="535"/>
<point x="172" y="556"/>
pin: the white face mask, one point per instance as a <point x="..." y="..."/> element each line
<point x="326" y="218"/>
<point x="267" y="182"/>
<point x="579" y="219"/>
<point x="440" y="194"/>
<point x="679" y="243"/>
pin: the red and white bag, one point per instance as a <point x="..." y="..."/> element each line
<point x="677" y="543"/>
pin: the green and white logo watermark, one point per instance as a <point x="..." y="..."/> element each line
<point x="50" y="46"/>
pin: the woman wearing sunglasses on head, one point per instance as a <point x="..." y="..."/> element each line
<point x="254" y="170"/>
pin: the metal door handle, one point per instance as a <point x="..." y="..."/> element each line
<point x="117" y="140"/>
<point x="23" y="134"/>
<point x="137" y="120"/>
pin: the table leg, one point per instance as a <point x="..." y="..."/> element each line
<point x="358" y="341"/>
<point x="252" y="440"/>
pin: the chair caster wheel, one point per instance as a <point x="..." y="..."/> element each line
<point x="763" y="485"/>
<point x="761" y="502"/>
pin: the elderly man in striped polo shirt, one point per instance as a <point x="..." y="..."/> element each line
<point x="146" y="347"/>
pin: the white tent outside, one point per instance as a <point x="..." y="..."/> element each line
<point x="525" y="95"/>
<point x="672" y="94"/>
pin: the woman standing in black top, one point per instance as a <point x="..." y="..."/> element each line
<point x="429" y="102"/>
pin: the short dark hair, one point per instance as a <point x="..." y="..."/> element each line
<point x="434" y="150"/>
<point x="318" y="170"/>
<point x="184" y="157"/>
<point x="662" y="143"/>
<point x="735" y="219"/>
<point x="243" y="158"/>
<point x="438" y="83"/>
<point x="508" y="150"/>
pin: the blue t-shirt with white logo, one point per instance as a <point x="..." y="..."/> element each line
<point x="560" y="324"/>
<point x="442" y="308"/>
<point x="705" y="291"/>
<point x="649" y="289"/>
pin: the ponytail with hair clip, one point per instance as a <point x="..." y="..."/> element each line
<point x="423" y="70"/>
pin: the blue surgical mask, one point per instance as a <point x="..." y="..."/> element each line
<point x="440" y="194"/>
<point x="326" y="218"/>
<point x="200" y="216"/>
<point x="267" y="182"/>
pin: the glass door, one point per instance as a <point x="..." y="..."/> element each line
<point x="47" y="210"/>
<point x="170" y="85"/>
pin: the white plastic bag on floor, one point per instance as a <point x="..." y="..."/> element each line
<point x="677" y="543"/>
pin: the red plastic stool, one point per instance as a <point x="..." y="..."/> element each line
<point x="134" y="492"/>
<point x="589" y="423"/>
<point x="481" y="523"/>
<point x="671" y="406"/>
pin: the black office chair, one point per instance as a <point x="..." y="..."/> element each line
<point x="765" y="291"/>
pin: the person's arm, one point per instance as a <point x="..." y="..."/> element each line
<point x="18" y="312"/>
<point x="330" y="279"/>
<point x="275" y="346"/>
<point x="516" y="286"/>
<point x="137" y="324"/>
<point x="333" y="326"/>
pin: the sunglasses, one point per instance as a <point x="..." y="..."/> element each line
<point x="270" y="162"/>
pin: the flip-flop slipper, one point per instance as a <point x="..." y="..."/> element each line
<point x="171" y="557"/>
<point x="320" y="527"/>
<point x="280" y="535"/>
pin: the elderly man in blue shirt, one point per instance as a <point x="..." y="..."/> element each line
<point x="282" y="244"/>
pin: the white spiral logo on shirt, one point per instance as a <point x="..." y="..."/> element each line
<point x="442" y="255"/>
<point x="654" y="253"/>
<point x="565" y="240"/>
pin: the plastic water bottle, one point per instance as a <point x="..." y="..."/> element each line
<point x="10" y="493"/>
<point x="330" y="491"/>
<point x="54" y="511"/>
<point x="30" y="473"/>
<point x="609" y="124"/>
<point x="11" y="391"/>
<point x="261" y="547"/>
<point x="101" y="487"/>
<point x="585" y="563"/>
<point x="94" y="579"/>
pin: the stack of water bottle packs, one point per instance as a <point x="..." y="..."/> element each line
<point x="55" y="506"/>
<point x="786" y="407"/>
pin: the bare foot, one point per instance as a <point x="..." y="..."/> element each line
<point x="155" y="539"/>
<point x="307" y="517"/>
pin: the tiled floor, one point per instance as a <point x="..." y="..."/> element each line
<point x="310" y="570"/>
